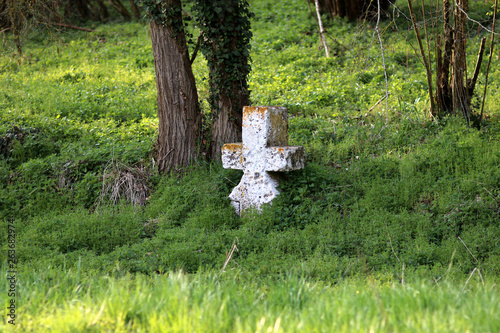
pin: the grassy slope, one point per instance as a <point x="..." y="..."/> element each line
<point x="386" y="193"/>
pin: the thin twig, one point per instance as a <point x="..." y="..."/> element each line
<point x="310" y="10"/>
<point x="378" y="102"/>
<point x="197" y="47"/>
<point x="472" y="84"/>
<point x="489" y="60"/>
<point x="424" y="58"/>
<point x="475" y="259"/>
<point x="71" y="26"/>
<point x="231" y="181"/>
<point x="229" y="256"/>
<point x="466" y="282"/>
<point x="394" y="252"/>
<point x="426" y="35"/>
<point x="437" y="284"/>
<point x="337" y="42"/>
<point x="493" y="196"/>
<point x="339" y="186"/>
<point x="377" y="29"/>
<point x="390" y="242"/>
<point x="166" y="155"/>
<point x="477" y="22"/>
<point x="480" y="276"/>
<point x="321" y="31"/>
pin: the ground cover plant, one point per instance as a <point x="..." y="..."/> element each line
<point x="392" y="204"/>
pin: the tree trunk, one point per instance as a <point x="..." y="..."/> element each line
<point x="178" y="108"/>
<point x="227" y="122"/>
<point x="121" y="9"/>
<point x="103" y="11"/>
<point x="135" y="10"/>
<point x="458" y="87"/>
<point x="226" y="46"/>
<point x="444" y="59"/>
<point x="82" y="7"/>
<point x="354" y="9"/>
<point x="227" y="127"/>
<point x="4" y="16"/>
<point x="16" y="18"/>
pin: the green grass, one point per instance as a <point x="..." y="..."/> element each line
<point x="387" y="194"/>
<point x="62" y="301"/>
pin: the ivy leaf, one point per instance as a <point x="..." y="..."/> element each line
<point x="218" y="10"/>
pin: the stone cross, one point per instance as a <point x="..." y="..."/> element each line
<point x="264" y="152"/>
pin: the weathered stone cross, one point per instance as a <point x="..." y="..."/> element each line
<point x="264" y="151"/>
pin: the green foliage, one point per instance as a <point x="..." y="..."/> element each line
<point x="226" y="34"/>
<point x="79" y="231"/>
<point x="168" y="15"/>
<point x="19" y="145"/>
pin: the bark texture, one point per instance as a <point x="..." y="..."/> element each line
<point x="178" y="108"/>
<point x="454" y="91"/>
<point x="226" y="124"/>
<point x="230" y="39"/>
<point x="354" y="9"/>
<point x="458" y="88"/>
<point x="443" y="61"/>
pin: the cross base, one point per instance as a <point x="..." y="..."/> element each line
<point x="254" y="190"/>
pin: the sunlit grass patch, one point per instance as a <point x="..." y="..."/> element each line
<point x="234" y="301"/>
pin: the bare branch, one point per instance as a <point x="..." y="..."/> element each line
<point x="377" y="29"/>
<point x="196" y="49"/>
<point x="489" y="60"/>
<point x="71" y="26"/>
<point x="492" y="31"/>
<point x="472" y="84"/>
<point x="321" y="30"/>
<point x="424" y="58"/>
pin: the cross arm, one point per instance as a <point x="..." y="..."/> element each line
<point x="286" y="158"/>
<point x="232" y="156"/>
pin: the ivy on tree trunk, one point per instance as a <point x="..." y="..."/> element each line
<point x="226" y="46"/>
<point x="225" y="42"/>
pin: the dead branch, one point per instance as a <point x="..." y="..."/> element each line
<point x="424" y="58"/>
<point x="229" y="256"/>
<point x="472" y="83"/>
<point x="120" y="8"/>
<point x="71" y="26"/>
<point x="196" y="49"/>
<point x="426" y="34"/>
<point x="310" y="10"/>
<point x="489" y="60"/>
<point x="378" y="102"/>
<point x="443" y="58"/>
<point x="321" y="30"/>
<point x="345" y="48"/>
<point x="472" y="20"/>
<point x="377" y="30"/>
